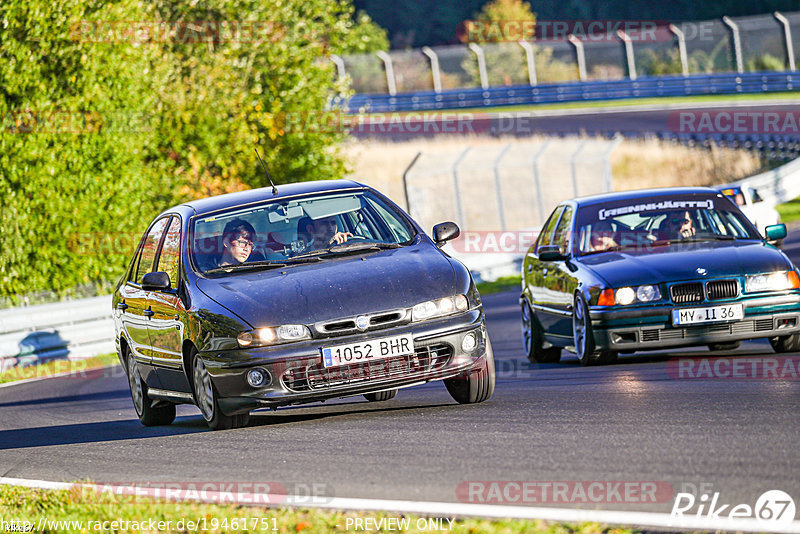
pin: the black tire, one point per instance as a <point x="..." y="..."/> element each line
<point x="160" y="413"/>
<point x="533" y="339"/>
<point x="381" y="395"/>
<point x="478" y="386"/>
<point x="582" y="335"/>
<point x="206" y="398"/>
<point x="731" y="345"/>
<point x="790" y="343"/>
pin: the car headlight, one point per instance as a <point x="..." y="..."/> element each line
<point x="629" y="295"/>
<point x="274" y="335"/>
<point x="439" y="308"/>
<point x="772" y="281"/>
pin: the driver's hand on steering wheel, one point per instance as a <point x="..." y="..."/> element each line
<point x="339" y="238"/>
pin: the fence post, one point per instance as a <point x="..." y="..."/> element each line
<point x="437" y="76"/>
<point x="574" y="167"/>
<point x="787" y="37"/>
<point x="481" y="64"/>
<point x="457" y="189"/>
<point x="607" y="176"/>
<point x="628" y="53"/>
<point x="339" y="62"/>
<point x="405" y="181"/>
<point x="579" y="54"/>
<point x="537" y="181"/>
<point x="528" y="47"/>
<point x="737" y="43"/>
<point x="390" y="81"/>
<point x="681" y="48"/>
<point x="497" y="187"/>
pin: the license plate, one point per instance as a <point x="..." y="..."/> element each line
<point x="711" y="314"/>
<point x="374" y="349"/>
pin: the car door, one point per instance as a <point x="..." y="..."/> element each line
<point x="561" y="280"/>
<point x="133" y="307"/>
<point x="166" y="325"/>
<point x="537" y="272"/>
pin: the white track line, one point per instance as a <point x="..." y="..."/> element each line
<point x="444" y="509"/>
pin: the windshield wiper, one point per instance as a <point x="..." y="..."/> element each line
<point x="346" y="248"/>
<point x="246" y="267"/>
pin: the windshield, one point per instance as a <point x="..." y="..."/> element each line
<point x="286" y="232"/>
<point x="657" y="221"/>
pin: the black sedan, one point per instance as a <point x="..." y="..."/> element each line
<point x="655" y="269"/>
<point x="317" y="291"/>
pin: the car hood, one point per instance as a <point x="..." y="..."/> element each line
<point x="681" y="261"/>
<point x="336" y="287"/>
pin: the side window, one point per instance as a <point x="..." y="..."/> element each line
<point x="148" y="252"/>
<point x="562" y="237"/>
<point x="168" y="260"/>
<point x="546" y="237"/>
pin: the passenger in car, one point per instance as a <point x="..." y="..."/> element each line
<point x="237" y="242"/>
<point x="602" y="237"/>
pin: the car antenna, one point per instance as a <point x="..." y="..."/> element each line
<point x="274" y="189"/>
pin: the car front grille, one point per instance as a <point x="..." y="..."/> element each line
<point x="316" y="377"/>
<point x="737" y="327"/>
<point x="340" y="327"/>
<point x="722" y="289"/>
<point x="685" y="293"/>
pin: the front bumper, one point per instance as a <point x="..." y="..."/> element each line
<point x="298" y="376"/>
<point x="650" y="328"/>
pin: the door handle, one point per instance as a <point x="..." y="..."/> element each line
<point x="148" y="312"/>
<point x="177" y="317"/>
<point x="122" y="306"/>
<point x="530" y="267"/>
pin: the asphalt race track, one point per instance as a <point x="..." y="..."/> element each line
<point x="634" y="421"/>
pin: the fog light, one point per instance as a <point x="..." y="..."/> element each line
<point x="469" y="342"/>
<point x="257" y="377"/>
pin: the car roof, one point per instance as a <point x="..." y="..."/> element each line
<point x="640" y="193"/>
<point x="210" y="204"/>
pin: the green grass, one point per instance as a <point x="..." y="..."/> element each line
<point x="628" y="102"/>
<point x="789" y="212"/>
<point x="57" y="366"/>
<point x="504" y="283"/>
<point x="85" y="504"/>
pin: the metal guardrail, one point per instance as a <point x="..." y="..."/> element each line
<point x="677" y="85"/>
<point x="776" y="186"/>
<point x="73" y="329"/>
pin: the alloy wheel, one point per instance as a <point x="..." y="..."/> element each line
<point x="204" y="392"/>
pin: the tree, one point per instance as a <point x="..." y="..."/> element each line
<point x="107" y="122"/>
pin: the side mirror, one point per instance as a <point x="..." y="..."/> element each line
<point x="775" y="232"/>
<point x="158" y="281"/>
<point x="444" y="232"/>
<point x="551" y="253"/>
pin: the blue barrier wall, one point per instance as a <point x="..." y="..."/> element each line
<point x="698" y="84"/>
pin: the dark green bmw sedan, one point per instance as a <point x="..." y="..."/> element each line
<point x="655" y="269"/>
